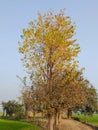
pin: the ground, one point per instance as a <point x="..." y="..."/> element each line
<point x="66" y="124"/>
<point x="74" y="125"/>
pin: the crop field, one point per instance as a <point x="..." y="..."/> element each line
<point x="92" y="119"/>
<point x="16" y="125"/>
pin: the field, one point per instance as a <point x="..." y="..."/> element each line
<point x="16" y="125"/>
<point x="92" y="119"/>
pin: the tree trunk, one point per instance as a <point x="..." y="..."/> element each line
<point x="26" y="113"/>
<point x="34" y="113"/>
<point x="50" y="122"/>
<point x="3" y="113"/>
<point x="57" y="118"/>
<point x="57" y="121"/>
<point x="69" y="114"/>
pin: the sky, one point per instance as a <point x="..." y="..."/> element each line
<point x="16" y="14"/>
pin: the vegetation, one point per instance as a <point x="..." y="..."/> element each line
<point x="16" y="125"/>
<point x="91" y="98"/>
<point x="91" y="104"/>
<point x="53" y="74"/>
<point x="13" y="109"/>
<point x="49" y="55"/>
<point x="92" y="119"/>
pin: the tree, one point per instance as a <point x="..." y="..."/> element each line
<point x="75" y="91"/>
<point x="91" y="101"/>
<point x="27" y="100"/>
<point x="27" y="96"/>
<point x="4" y="104"/>
<point x="12" y="107"/>
<point x="49" y="51"/>
<point x="91" y="98"/>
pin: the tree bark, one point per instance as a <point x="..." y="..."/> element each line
<point x="50" y="122"/>
<point x="57" y="121"/>
<point x="69" y="114"/>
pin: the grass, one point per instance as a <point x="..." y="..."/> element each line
<point x="16" y="125"/>
<point x="92" y="119"/>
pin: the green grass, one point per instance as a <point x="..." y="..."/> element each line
<point x="16" y="125"/>
<point x="92" y="119"/>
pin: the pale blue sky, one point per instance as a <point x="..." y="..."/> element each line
<point x="16" y="14"/>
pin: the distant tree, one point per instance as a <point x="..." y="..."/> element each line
<point x="91" y="98"/>
<point x="91" y="104"/>
<point x="26" y="96"/>
<point x="49" y="51"/>
<point x="4" y="105"/>
<point x="12" y="107"/>
<point x="27" y="101"/>
<point x="75" y="91"/>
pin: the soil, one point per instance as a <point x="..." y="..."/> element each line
<point x="67" y="125"/>
<point x="74" y="125"/>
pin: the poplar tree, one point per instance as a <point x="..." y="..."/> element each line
<point x="49" y="51"/>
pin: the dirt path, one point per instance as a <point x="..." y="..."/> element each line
<point x="74" y="125"/>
